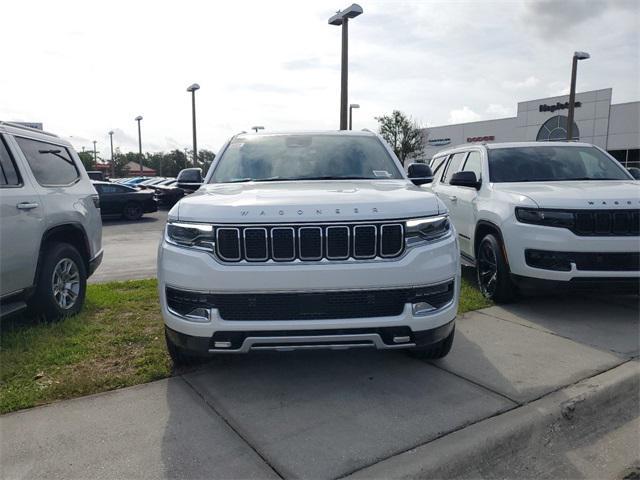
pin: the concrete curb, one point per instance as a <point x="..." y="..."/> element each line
<point x="532" y="440"/>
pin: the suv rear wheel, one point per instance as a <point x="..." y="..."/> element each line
<point x="132" y="211"/>
<point x="494" y="278"/>
<point x="62" y="282"/>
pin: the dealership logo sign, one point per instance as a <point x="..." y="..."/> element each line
<point x="557" y="106"/>
<point x="439" y="141"/>
<point x="486" y="138"/>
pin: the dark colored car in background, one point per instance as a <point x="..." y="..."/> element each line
<point x="188" y="181"/>
<point x="124" y="201"/>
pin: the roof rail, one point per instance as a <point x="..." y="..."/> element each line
<point x="28" y="129"/>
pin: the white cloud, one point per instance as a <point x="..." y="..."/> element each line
<point x="463" y="115"/>
<point x="528" y="82"/>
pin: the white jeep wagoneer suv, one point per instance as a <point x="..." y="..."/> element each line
<point x="542" y="215"/>
<point x="313" y="240"/>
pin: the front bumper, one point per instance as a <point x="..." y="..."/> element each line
<point x="420" y="266"/>
<point x="520" y="237"/>
<point x="94" y="263"/>
<point x="383" y="338"/>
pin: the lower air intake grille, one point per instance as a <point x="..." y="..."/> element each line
<point x="311" y="305"/>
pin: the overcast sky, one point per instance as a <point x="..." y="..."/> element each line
<point x="86" y="67"/>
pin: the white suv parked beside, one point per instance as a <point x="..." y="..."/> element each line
<point x="314" y="240"/>
<point x="533" y="215"/>
<point x="50" y="227"/>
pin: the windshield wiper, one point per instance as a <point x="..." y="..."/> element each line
<point x="289" y="179"/>
<point x="336" y="177"/>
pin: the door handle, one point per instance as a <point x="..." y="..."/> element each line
<point x="27" y="206"/>
<point x="453" y="198"/>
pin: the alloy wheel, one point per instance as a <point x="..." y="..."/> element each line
<point x="65" y="283"/>
<point x="487" y="270"/>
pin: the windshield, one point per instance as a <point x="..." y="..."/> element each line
<point x="304" y="157"/>
<point x="552" y="163"/>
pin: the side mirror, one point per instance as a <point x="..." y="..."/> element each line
<point x="635" y="172"/>
<point x="465" y="179"/>
<point x="420" y="173"/>
<point x="189" y="179"/>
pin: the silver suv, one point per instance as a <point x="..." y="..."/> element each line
<point x="50" y="227"/>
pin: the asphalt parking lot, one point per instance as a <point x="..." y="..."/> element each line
<point x="331" y="414"/>
<point x="130" y="248"/>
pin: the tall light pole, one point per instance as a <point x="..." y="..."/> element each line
<point x="113" y="167"/>
<point x="572" y="93"/>
<point x="139" y="119"/>
<point x="192" y="89"/>
<point x="351" y="107"/>
<point x="257" y="127"/>
<point x="342" y="18"/>
<point x="95" y="153"/>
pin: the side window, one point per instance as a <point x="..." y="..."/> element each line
<point x="437" y="163"/>
<point x="8" y="172"/>
<point x="51" y="164"/>
<point x="474" y="164"/>
<point x="454" y="166"/>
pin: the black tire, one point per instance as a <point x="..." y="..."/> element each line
<point x="432" y="352"/>
<point x="492" y="271"/>
<point x="62" y="282"/>
<point x="132" y="211"/>
<point x="179" y="357"/>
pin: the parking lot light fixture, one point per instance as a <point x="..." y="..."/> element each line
<point x="351" y="107"/>
<point x="342" y="18"/>
<point x="95" y="153"/>
<point x="113" y="168"/>
<point x="139" y="119"/>
<point x="256" y="128"/>
<point x="572" y="93"/>
<point x="192" y="88"/>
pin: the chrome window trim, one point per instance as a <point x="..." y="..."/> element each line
<point x="348" y="242"/>
<point x="237" y="230"/>
<point x="375" y="241"/>
<point x="399" y="251"/>
<point x="266" y="246"/>
<point x="293" y="239"/>
<point x="310" y="259"/>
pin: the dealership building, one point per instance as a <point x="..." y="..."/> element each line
<point x="613" y="127"/>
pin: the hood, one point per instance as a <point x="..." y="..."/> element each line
<point x="595" y="194"/>
<point x="307" y="201"/>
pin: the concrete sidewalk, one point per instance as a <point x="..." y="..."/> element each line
<point x="331" y="414"/>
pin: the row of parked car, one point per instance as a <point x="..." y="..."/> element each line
<point x="130" y="198"/>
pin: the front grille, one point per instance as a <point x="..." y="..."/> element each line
<point x="309" y="242"/>
<point x="585" y="261"/>
<point x="607" y="222"/>
<point x="310" y="305"/>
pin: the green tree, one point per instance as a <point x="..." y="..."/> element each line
<point x="205" y="159"/>
<point x="402" y="133"/>
<point x="120" y="160"/>
<point x="87" y="160"/>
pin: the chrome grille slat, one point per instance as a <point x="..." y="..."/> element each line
<point x="287" y="243"/>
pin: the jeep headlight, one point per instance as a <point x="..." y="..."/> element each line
<point x="548" y="218"/>
<point x="192" y="235"/>
<point x="427" y="229"/>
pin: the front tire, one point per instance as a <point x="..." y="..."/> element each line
<point x="179" y="356"/>
<point x="433" y="352"/>
<point x="494" y="277"/>
<point x="62" y="283"/>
